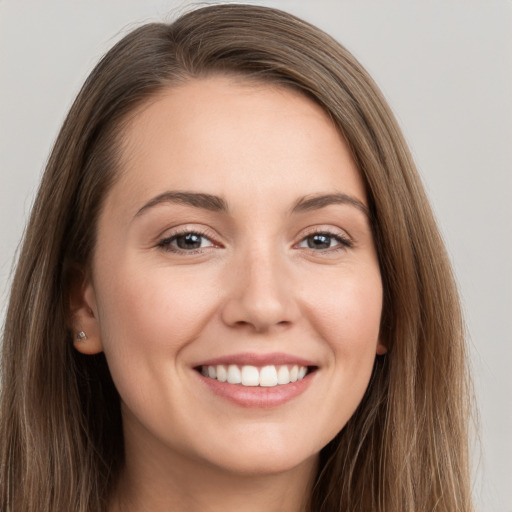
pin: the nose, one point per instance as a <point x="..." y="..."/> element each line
<point x="260" y="293"/>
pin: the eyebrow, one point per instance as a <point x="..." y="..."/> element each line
<point x="315" y="202"/>
<point x="218" y="204"/>
<point x="196" y="199"/>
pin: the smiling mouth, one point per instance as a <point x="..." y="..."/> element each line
<point x="255" y="376"/>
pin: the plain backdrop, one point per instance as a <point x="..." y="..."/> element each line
<point x="445" y="66"/>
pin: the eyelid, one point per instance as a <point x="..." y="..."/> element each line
<point x="344" y="239"/>
<point x="327" y="229"/>
<point x="163" y="241"/>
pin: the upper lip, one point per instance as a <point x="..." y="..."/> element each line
<point x="254" y="359"/>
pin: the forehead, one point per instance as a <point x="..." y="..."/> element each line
<point x="225" y="136"/>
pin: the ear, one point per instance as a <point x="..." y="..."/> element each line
<point x="84" y="314"/>
<point x="381" y="349"/>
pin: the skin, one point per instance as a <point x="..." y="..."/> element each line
<point x="255" y="286"/>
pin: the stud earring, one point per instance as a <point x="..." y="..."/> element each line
<point x="81" y="336"/>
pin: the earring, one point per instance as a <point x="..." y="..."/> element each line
<point x="81" y="336"/>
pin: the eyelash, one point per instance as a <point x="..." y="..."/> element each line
<point x="344" y="242"/>
<point x="165" y="244"/>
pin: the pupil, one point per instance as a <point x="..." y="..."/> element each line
<point x="319" y="242"/>
<point x="190" y="241"/>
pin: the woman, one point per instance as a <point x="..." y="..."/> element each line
<point x="232" y="292"/>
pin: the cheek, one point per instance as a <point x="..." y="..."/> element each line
<point x="346" y="311"/>
<point x="148" y="312"/>
<point x="148" y="317"/>
<point x="344" y="307"/>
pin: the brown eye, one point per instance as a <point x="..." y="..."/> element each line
<point x="319" y="241"/>
<point x="190" y="241"/>
<point x="324" y="241"/>
<point x="187" y="241"/>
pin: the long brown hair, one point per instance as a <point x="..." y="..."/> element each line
<point x="61" y="439"/>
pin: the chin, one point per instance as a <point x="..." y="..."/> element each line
<point x="263" y="456"/>
<point x="264" y="464"/>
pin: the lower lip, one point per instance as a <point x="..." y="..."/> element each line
<point x="258" y="396"/>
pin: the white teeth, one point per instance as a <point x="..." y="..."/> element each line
<point x="234" y="375"/>
<point x="283" y="375"/>
<point x="247" y="375"/>
<point x="250" y="376"/>
<point x="268" y="376"/>
<point x="222" y="374"/>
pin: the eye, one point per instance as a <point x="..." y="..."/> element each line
<point x="322" y="241"/>
<point x="186" y="241"/>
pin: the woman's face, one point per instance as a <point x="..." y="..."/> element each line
<point x="235" y="245"/>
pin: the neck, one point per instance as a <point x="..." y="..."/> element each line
<point x="164" y="481"/>
<point x="192" y="487"/>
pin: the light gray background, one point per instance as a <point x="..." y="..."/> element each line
<point x="445" y="67"/>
